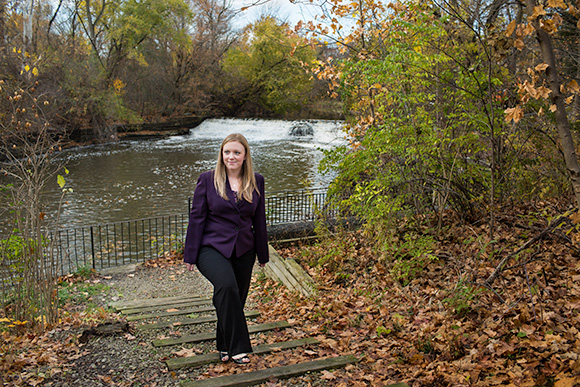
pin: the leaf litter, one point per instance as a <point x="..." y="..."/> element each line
<point x="445" y="327"/>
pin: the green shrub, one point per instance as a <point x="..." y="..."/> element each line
<point x="409" y="255"/>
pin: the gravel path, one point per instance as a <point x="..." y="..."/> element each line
<point x="139" y="282"/>
<point x="130" y="359"/>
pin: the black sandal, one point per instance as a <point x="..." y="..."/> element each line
<point x="224" y="356"/>
<point x="241" y="359"/>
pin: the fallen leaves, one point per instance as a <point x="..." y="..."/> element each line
<point x="187" y="352"/>
<point x="411" y="333"/>
<point x="21" y="357"/>
<point x="415" y="333"/>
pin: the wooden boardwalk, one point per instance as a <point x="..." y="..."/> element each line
<point x="150" y="311"/>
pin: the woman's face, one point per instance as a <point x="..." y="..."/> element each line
<point x="233" y="155"/>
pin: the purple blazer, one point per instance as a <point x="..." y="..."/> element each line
<point x="225" y="225"/>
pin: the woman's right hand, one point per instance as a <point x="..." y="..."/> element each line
<point x="190" y="266"/>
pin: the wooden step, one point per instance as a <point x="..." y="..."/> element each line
<point x="199" y="360"/>
<point x="211" y="335"/>
<point x="144" y="309"/>
<point x="255" y="377"/>
<point x="128" y="304"/>
<point x="189" y="321"/>
<point x="173" y="313"/>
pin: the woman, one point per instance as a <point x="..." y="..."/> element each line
<point x="227" y="229"/>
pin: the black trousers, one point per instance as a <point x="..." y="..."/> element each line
<point x="230" y="278"/>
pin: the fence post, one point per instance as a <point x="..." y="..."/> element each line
<point x="93" y="248"/>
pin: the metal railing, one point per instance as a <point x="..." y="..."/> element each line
<point x="297" y="206"/>
<point x="119" y="243"/>
<point x="132" y="241"/>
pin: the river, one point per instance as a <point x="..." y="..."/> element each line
<point x="135" y="179"/>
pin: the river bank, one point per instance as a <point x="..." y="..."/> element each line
<point x="159" y="127"/>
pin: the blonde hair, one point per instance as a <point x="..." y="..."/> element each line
<point x="248" y="178"/>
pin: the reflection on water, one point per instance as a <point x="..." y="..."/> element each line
<point x="155" y="177"/>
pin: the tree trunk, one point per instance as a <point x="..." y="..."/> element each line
<point x="562" y="122"/>
<point x="2" y="26"/>
<point x="27" y="35"/>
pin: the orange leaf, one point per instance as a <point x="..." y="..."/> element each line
<point x="510" y="28"/>
<point x="185" y="352"/>
<point x="575" y="217"/>
<point x="557" y="4"/>
<point x="528" y="30"/>
<point x="543" y="92"/>
<point x="538" y="11"/>
<point x="328" y="375"/>
<point x="553" y="108"/>
<point x="567" y="382"/>
<point x="515" y="114"/>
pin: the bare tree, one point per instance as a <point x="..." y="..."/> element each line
<point x="28" y="259"/>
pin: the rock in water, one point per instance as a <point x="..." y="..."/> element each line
<point x="301" y="128"/>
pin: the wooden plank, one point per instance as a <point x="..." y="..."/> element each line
<point x="199" y="360"/>
<point x="167" y="314"/>
<point x="203" y="301"/>
<point x="301" y="275"/>
<point x="190" y="321"/>
<point x="300" y="286"/>
<point x="210" y="336"/>
<point x="255" y="377"/>
<point x="127" y="304"/>
<point x="289" y="273"/>
<point x="277" y="271"/>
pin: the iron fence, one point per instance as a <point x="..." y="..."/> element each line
<point x="132" y="241"/>
<point x="119" y="243"/>
<point x="297" y="206"/>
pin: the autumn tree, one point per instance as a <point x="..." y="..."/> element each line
<point x="115" y="36"/>
<point x="266" y="71"/>
<point x="425" y="85"/>
<point x="545" y="81"/>
<point x="419" y="88"/>
<point x="197" y="66"/>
